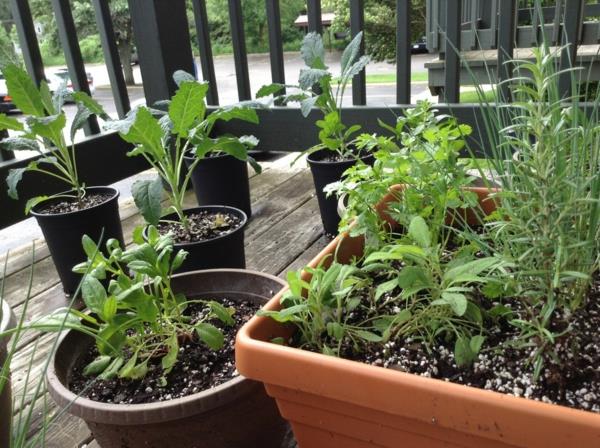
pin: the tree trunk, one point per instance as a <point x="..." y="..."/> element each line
<point x="125" y="56"/>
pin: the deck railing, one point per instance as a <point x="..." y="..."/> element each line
<point x="163" y="42"/>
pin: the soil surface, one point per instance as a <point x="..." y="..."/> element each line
<point x="198" y="368"/>
<point x="72" y="204"/>
<point x="571" y="373"/>
<point x="203" y="226"/>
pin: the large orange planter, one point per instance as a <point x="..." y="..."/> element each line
<point x="332" y="402"/>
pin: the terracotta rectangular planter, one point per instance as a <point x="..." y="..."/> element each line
<point x="332" y="402"/>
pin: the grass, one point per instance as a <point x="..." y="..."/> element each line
<point x="471" y="96"/>
<point x="390" y="78"/>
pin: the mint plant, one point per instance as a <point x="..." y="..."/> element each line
<point x="44" y="131"/>
<point x="164" y="138"/>
<point x="138" y="318"/>
<point x="316" y="88"/>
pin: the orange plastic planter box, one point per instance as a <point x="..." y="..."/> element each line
<point x="332" y="402"/>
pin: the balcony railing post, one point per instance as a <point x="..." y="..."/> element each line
<point x="275" y="42"/>
<point x="451" y="92"/>
<point x="506" y="44"/>
<point x="313" y="10"/>
<point x="28" y="39"/>
<point x="206" y="57"/>
<point x="572" y="26"/>
<point x="162" y="38"/>
<point x="240" y="57"/>
<point x="403" y="56"/>
<point x="67" y="34"/>
<point x="357" y="24"/>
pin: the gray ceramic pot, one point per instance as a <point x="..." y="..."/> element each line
<point x="237" y="413"/>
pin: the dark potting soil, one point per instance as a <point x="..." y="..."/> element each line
<point x="68" y="205"/>
<point x="203" y="226"/>
<point x="570" y="377"/>
<point x="198" y="368"/>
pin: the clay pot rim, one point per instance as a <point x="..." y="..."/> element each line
<point x="115" y="194"/>
<point x="312" y="161"/>
<point x="146" y="413"/>
<point x="234" y="210"/>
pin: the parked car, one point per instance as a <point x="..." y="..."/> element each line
<point x="419" y="46"/>
<point x="60" y="76"/>
<point x="6" y="104"/>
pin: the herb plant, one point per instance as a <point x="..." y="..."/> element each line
<point x="316" y="88"/>
<point x="43" y="131"/>
<point x="165" y="138"/>
<point x="137" y="318"/>
<point x="423" y="154"/>
<point x="546" y="153"/>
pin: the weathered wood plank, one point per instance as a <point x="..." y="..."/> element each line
<point x="286" y="240"/>
<point x="306" y="256"/>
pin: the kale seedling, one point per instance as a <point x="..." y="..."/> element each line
<point x="164" y="139"/>
<point x="315" y="86"/>
<point x="43" y="131"/>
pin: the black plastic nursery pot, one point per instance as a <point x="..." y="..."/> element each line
<point x="7" y="322"/>
<point x="221" y="179"/>
<point x="235" y="414"/>
<point x="325" y="172"/>
<point x="63" y="232"/>
<point x="226" y="251"/>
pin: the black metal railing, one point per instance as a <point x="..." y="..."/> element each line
<point x="162" y="39"/>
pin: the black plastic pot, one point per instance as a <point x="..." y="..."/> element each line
<point x="63" y="232"/>
<point x="7" y="322"/>
<point x="235" y="414"/>
<point x="222" y="180"/>
<point x="226" y="251"/>
<point x="325" y="172"/>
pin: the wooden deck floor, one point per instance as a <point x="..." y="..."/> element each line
<point x="284" y="233"/>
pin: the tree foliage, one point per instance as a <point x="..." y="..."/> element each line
<point x="380" y="24"/>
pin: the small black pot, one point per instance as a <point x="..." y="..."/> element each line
<point x="221" y="179"/>
<point x="63" y="232"/>
<point x="324" y="173"/>
<point x="225" y="251"/>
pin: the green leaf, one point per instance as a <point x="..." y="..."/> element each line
<point x="79" y="120"/>
<point x="169" y="360"/>
<point x="12" y="124"/>
<point x="46" y="96"/>
<point x="466" y="350"/>
<point x="312" y="51"/>
<point x="210" y="335"/>
<point x="269" y="89"/>
<point x="14" y="177"/>
<point x="89" y="247"/>
<point x="357" y="67"/>
<point x="311" y="76"/>
<point x="109" y="310"/>
<point x="140" y="128"/>
<point x="351" y="52"/>
<point x="33" y="202"/>
<point x="50" y="127"/>
<point x="187" y="105"/>
<point x="97" y="366"/>
<point x="181" y="76"/>
<point x="419" y="231"/>
<point x="385" y="287"/>
<point x="335" y="330"/>
<point x="93" y="294"/>
<point x="307" y="104"/>
<point x="94" y="107"/>
<point x="178" y="260"/>
<point x="234" y="112"/>
<point x="222" y="313"/>
<point x="458" y="302"/>
<point x="23" y="91"/>
<point x="476" y="343"/>
<point x="112" y="370"/>
<point x="147" y="195"/>
<point x="368" y="336"/>
<point x="19" y="144"/>
<point x="470" y="269"/>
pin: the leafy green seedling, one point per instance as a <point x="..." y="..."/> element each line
<point x="43" y="131"/>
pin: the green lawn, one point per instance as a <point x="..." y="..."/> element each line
<point x="472" y="96"/>
<point x="390" y="78"/>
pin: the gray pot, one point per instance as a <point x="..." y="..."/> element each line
<point x="237" y="413"/>
<point x="7" y="322"/>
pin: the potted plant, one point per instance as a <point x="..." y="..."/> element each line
<point x="213" y="235"/>
<point x="471" y="336"/>
<point x="152" y="364"/>
<point x="63" y="217"/>
<point x="229" y="163"/>
<point x="336" y="150"/>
